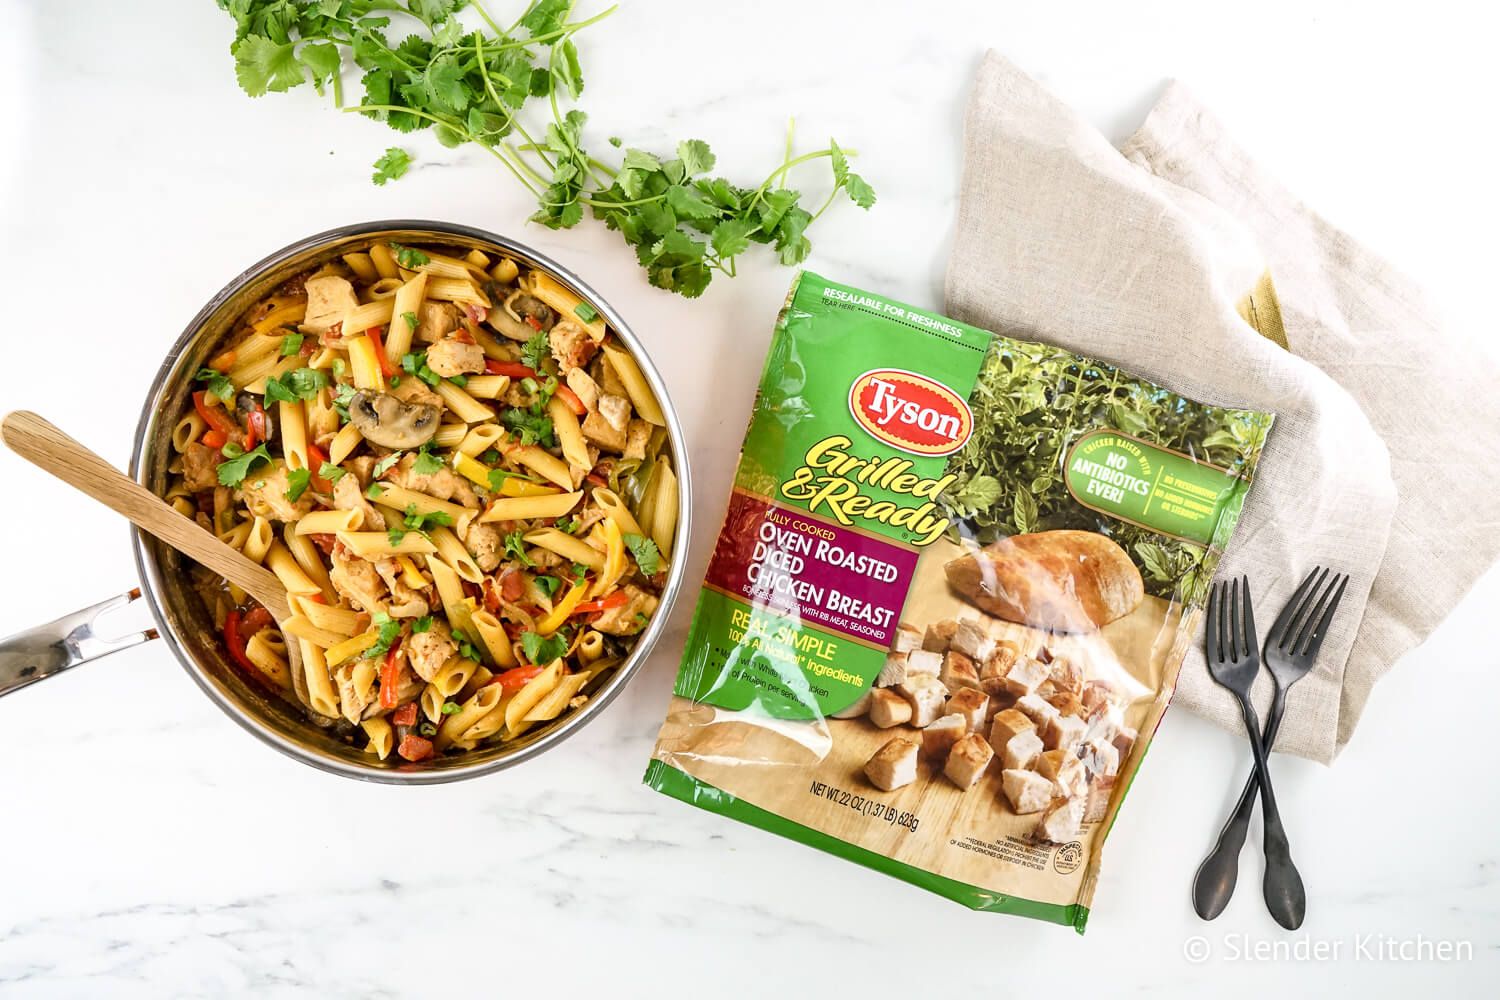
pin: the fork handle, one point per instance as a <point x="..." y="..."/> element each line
<point x="1213" y="885"/>
<point x="1285" y="896"/>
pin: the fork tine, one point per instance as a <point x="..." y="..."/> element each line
<point x="1300" y="615"/>
<point x="1213" y="629"/>
<point x="1277" y="633"/>
<point x="1234" y="620"/>
<point x="1248" y="631"/>
<point x="1315" y="610"/>
<point x="1315" y="641"/>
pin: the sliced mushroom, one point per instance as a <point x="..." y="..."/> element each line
<point x="245" y="404"/>
<point x="521" y="305"/>
<point x="384" y="420"/>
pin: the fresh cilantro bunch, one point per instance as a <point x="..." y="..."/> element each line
<point x="471" y="86"/>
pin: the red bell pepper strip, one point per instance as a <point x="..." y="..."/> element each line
<point x="315" y="458"/>
<point x="569" y="397"/>
<point x="255" y="427"/>
<point x="414" y="748"/>
<point x="234" y="642"/>
<point x="386" y="368"/>
<point x="389" y="673"/>
<point x="534" y="323"/>
<point x="406" y="715"/>
<point x="614" y="600"/>
<point x="214" y="416"/>
<point x="515" y="678"/>
<point x="512" y="368"/>
<point x="215" y="439"/>
<point x="253" y="621"/>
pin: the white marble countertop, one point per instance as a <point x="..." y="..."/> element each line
<point x="150" y="847"/>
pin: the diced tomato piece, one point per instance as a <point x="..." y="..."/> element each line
<point x="255" y="423"/>
<point x="390" y="673"/>
<point x="324" y="542"/>
<point x="215" y="439"/>
<point x="512" y="584"/>
<point x="315" y="458"/>
<point x="253" y="621"/>
<point x="406" y="715"/>
<point x="596" y="479"/>
<point x="414" y="748"/>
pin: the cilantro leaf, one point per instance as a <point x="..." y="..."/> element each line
<point x="299" y="384"/>
<point x="297" y="481"/>
<point x="647" y="555"/>
<point x="529" y="427"/>
<point x="548" y="584"/>
<point x="408" y="257"/>
<point x="374" y="490"/>
<point x="515" y="548"/>
<point x="331" y="472"/>
<point x="387" y="629"/>
<point x="384" y="465"/>
<point x="393" y="163"/>
<point x="427" y="463"/>
<point x="536" y="349"/>
<point x="420" y="625"/>
<point x="234" y="471"/>
<point x="219" y="384"/>
<point x="696" y="157"/>
<point x="542" y="650"/>
<point x="261" y="65"/>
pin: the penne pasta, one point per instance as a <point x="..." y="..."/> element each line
<point x="310" y="561"/>
<point x="258" y="539"/>
<point x="189" y="429"/>
<point x="450" y="435"/>
<point x="463" y="405"/>
<point x="614" y="508"/>
<point x="407" y="304"/>
<point x="556" y="700"/>
<point x="402" y="499"/>
<point x="664" y="511"/>
<point x="484" y="701"/>
<point x="370" y="314"/>
<point x="530" y="696"/>
<point x="525" y="508"/>
<point x="442" y="266"/>
<point x="481" y="438"/>
<point x="542" y="462"/>
<point x="302" y="627"/>
<point x="380" y="735"/>
<point x="478" y="258"/>
<point x="329" y="522"/>
<point x="293" y="432"/>
<point x="292" y="576"/>
<point x="641" y="396"/>
<point x="363" y="365"/>
<point x="569" y="437"/>
<point x="504" y="271"/>
<point x="451" y="551"/>
<point x="384" y="261"/>
<point x="590" y="646"/>
<point x="550" y="291"/>
<point x="492" y="635"/>
<point x="378" y="544"/>
<point x="330" y="617"/>
<point x="343" y="444"/>
<point x="322" y="696"/>
<point x="452" y="676"/>
<point x="385" y="288"/>
<point x="362" y="266"/>
<point x="351" y="647"/>
<point x="570" y="548"/>
<point x="266" y="651"/>
<point x="456" y="290"/>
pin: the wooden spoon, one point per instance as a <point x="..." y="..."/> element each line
<point x="48" y="448"/>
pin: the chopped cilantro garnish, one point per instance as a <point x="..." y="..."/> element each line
<point x="408" y="257"/>
<point x="291" y="344"/>
<point x="647" y="555"/>
<point x="427" y="463"/>
<point x="332" y="473"/>
<point x="299" y="384"/>
<point x="536" y="350"/>
<point x="529" y="425"/>
<point x="337" y="368"/>
<point x="580" y="571"/>
<point x="543" y="650"/>
<point x="490" y="456"/>
<point x="374" y="491"/>
<point x="234" y="471"/>
<point x="420" y="625"/>
<point x="515" y="548"/>
<point x="565" y="525"/>
<point x="389" y="628"/>
<point x="549" y="584"/>
<point x="384" y="465"/>
<point x="297" y="481"/>
<point x="218" y="383"/>
<point x="392" y="164"/>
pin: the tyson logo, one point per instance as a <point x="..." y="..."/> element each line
<point x="910" y="412"/>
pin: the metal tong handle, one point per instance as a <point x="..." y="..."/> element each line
<point x="49" y="649"/>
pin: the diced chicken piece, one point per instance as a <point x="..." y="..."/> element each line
<point x="1101" y="758"/>
<point x="435" y="320"/>
<point x="265" y="491"/>
<point x="405" y="602"/>
<point x="939" y="635"/>
<point x="1008" y="725"/>
<point x="363" y="468"/>
<point x="958" y="671"/>
<point x="585" y="388"/>
<point x="1059" y="823"/>
<point x="347" y="495"/>
<point x="357" y="691"/>
<point x="609" y="379"/>
<point x="606" y="424"/>
<point x="1097" y="695"/>
<point x="1023" y="676"/>
<point x="452" y="357"/>
<point x="484" y="542"/>
<point x="908" y="638"/>
<point x="1036" y="709"/>
<point x="200" y="467"/>
<point x="1064" y="769"/>
<point x="637" y="437"/>
<point x="922" y="661"/>
<point x="938" y="738"/>
<point x="1067" y="703"/>
<point x="972" y="640"/>
<point x="1103" y="727"/>
<point x="972" y="704"/>
<point x="357" y="581"/>
<point x="630" y="617"/>
<point x="444" y="484"/>
<point x="887" y="708"/>
<point x="1100" y="792"/>
<point x="926" y="694"/>
<point x="893" y="765"/>
<point x="1022" y="750"/>
<point x="1124" y="740"/>
<point x="428" y="651"/>
<point x="854" y="711"/>
<point x="329" y="297"/>
<point x="571" y="345"/>
<point x="1027" y="791"/>
<point x="968" y="760"/>
<point x="417" y="393"/>
<point x="1063" y="732"/>
<point x="893" y="672"/>
<point x="1065" y="674"/>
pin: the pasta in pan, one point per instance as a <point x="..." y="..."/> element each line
<point x="460" y="475"/>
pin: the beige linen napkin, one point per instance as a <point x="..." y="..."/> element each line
<point x="1145" y="257"/>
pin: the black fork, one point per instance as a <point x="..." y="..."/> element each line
<point x="1290" y="650"/>
<point x="1233" y="660"/>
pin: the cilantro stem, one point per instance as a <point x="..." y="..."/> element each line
<point x="489" y="88"/>
<point x="547" y="36"/>
<point x="487" y="19"/>
<point x="514" y="167"/>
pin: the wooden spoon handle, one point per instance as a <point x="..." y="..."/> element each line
<point x="48" y="448"/>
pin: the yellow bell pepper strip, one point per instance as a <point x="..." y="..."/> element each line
<point x="562" y="609"/>
<point x="614" y="559"/>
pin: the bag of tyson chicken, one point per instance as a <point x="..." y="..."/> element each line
<point x="950" y="598"/>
